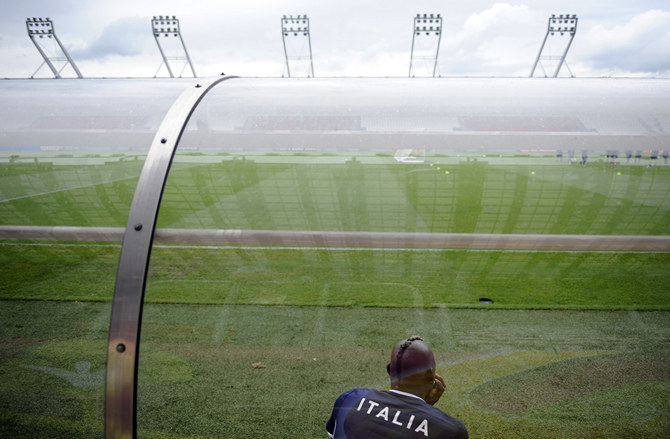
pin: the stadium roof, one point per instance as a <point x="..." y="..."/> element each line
<point x="380" y="114"/>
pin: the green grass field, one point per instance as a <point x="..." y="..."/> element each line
<point x="575" y="344"/>
<point x="370" y="193"/>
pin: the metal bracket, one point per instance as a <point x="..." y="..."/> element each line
<point x="126" y="318"/>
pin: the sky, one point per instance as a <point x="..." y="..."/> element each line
<point x="349" y="38"/>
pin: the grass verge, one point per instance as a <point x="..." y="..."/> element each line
<point x="540" y="374"/>
<point x="393" y="278"/>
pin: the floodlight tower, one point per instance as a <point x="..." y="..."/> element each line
<point x="557" y="27"/>
<point x="39" y="28"/>
<point x="164" y="27"/>
<point x="297" y="27"/>
<point x="426" y="26"/>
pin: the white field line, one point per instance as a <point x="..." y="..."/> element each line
<point x="55" y="191"/>
<point x="471" y="357"/>
<point x="100" y="324"/>
<point x="363" y="249"/>
<point x="400" y="241"/>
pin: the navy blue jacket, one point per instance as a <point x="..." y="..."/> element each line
<point x="374" y="414"/>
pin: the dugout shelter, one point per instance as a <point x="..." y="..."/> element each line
<point x="402" y="121"/>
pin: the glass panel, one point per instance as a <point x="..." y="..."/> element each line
<point x="307" y="225"/>
<point x="71" y="152"/>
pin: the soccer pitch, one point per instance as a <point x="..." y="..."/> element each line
<point x="255" y="341"/>
<point x="454" y="194"/>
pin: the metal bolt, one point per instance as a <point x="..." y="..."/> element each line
<point x="138" y="227"/>
<point x="120" y="348"/>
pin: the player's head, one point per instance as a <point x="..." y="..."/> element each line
<point x="410" y="357"/>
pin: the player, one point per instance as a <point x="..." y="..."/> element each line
<point x="405" y="411"/>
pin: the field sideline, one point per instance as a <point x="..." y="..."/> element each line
<point x="352" y="277"/>
<point x="370" y="240"/>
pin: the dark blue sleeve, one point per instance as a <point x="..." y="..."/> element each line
<point x="341" y="407"/>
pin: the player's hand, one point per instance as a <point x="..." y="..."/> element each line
<point x="437" y="390"/>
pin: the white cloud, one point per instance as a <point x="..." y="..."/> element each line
<point x="640" y="45"/>
<point x="124" y="37"/>
<point x="503" y="39"/>
<point x="500" y="16"/>
<point x="480" y="37"/>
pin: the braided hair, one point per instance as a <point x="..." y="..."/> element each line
<point x="410" y="356"/>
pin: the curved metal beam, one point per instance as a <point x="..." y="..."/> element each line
<point x="126" y="318"/>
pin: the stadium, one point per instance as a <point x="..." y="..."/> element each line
<point x="306" y="225"/>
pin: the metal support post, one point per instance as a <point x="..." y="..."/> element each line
<point x="126" y="318"/>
